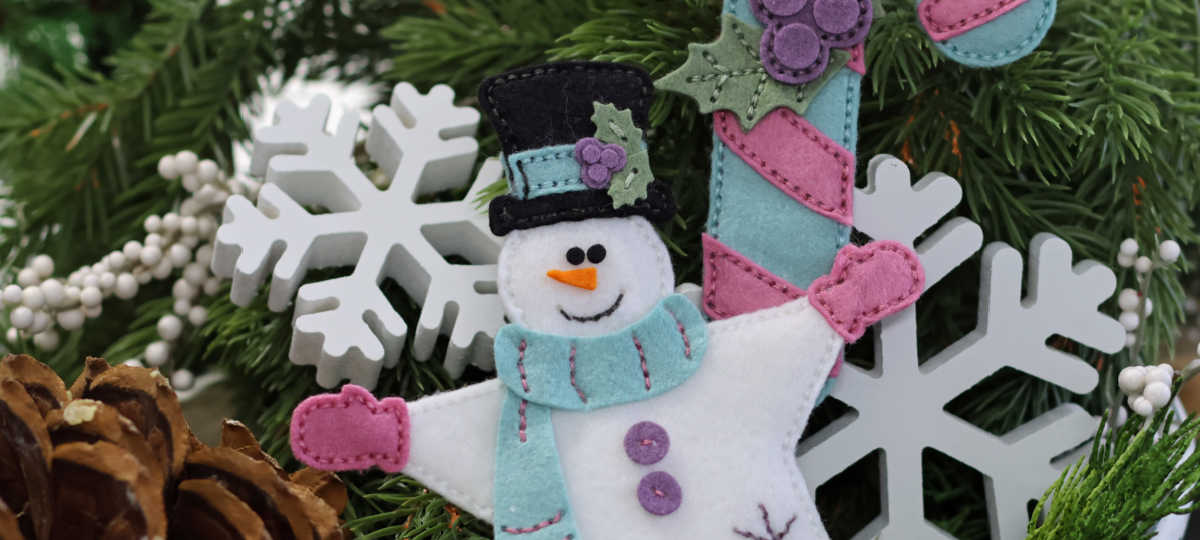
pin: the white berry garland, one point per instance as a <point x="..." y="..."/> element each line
<point x="40" y="305"/>
<point x="1135" y="305"/>
<point x="1147" y="388"/>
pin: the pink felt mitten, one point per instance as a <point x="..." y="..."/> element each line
<point x="867" y="284"/>
<point x="351" y="431"/>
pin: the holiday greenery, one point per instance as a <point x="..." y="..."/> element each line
<point x="1094" y="137"/>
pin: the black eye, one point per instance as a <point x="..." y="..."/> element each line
<point x="596" y="254"/>
<point x="575" y="256"/>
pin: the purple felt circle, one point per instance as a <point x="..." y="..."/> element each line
<point x="590" y="153"/>
<point x="835" y="16"/>
<point x="646" y="443"/>
<point x="596" y="176"/>
<point x="797" y="46"/>
<point x="783" y="8"/>
<point x="659" y="493"/>
<point x="613" y="157"/>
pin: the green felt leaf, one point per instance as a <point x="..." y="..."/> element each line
<point x="728" y="75"/>
<point x="615" y="126"/>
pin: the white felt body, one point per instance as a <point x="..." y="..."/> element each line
<point x="636" y="268"/>
<point x="733" y="428"/>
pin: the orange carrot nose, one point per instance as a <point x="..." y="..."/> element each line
<point x="584" y="278"/>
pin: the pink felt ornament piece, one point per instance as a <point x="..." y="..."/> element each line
<point x="866" y="285"/>
<point x="797" y="158"/>
<point x="734" y="284"/>
<point x="351" y="431"/>
<point x="945" y="19"/>
<point x="858" y="59"/>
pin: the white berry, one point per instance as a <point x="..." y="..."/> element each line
<point x="33" y="298"/>
<point x="167" y="168"/>
<point x="157" y="353"/>
<point x="212" y="286"/>
<point x="43" y="265"/>
<point x="54" y="292"/>
<point x="181" y="307"/>
<point x="1128" y="300"/>
<point x="142" y="276"/>
<point x="1129" y="247"/>
<point x="71" y="319"/>
<point x="12" y="294"/>
<point x="179" y="255"/>
<point x="197" y="315"/>
<point x="1125" y="261"/>
<point x="94" y="311"/>
<point x="1158" y="394"/>
<point x="1130" y="339"/>
<point x="154" y="239"/>
<point x="207" y="170"/>
<point x="162" y="270"/>
<point x="21" y="317"/>
<point x="117" y="260"/>
<point x="108" y="280"/>
<point x="91" y="280"/>
<point x="13" y="335"/>
<point x="170" y="327"/>
<point x="90" y="297"/>
<point x="188" y="225"/>
<point x="1143" y="265"/>
<point x="170" y="222"/>
<point x="72" y="294"/>
<point x="27" y="277"/>
<point x="204" y="255"/>
<point x="182" y="379"/>
<point x="127" y="286"/>
<point x="46" y="341"/>
<point x="151" y="255"/>
<point x="1169" y="251"/>
<point x="1149" y="308"/>
<point x="195" y="273"/>
<point x="1162" y="373"/>
<point x="186" y="161"/>
<point x="1130" y="320"/>
<point x="41" y="321"/>
<point x="190" y="182"/>
<point x="153" y="224"/>
<point x="183" y="290"/>
<point x="1132" y="379"/>
<point x="1141" y="405"/>
<point x="132" y="250"/>
<point x="133" y="362"/>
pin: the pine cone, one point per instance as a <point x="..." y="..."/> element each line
<point x="113" y="458"/>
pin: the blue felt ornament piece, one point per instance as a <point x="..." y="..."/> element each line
<point x="1002" y="40"/>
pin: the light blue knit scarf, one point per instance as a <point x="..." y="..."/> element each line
<point x="545" y="372"/>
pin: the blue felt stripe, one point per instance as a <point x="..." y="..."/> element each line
<point x="544" y="171"/>
<point x="1004" y="39"/>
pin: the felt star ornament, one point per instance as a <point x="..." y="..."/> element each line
<point x="712" y="457"/>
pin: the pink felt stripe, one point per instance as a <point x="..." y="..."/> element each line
<point x="944" y="19"/>
<point x="351" y="431"/>
<point x="866" y="285"/>
<point x="734" y="284"/>
<point x="858" y="59"/>
<point x="797" y="158"/>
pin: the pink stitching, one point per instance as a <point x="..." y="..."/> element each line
<point x="861" y="256"/>
<point x="711" y="296"/>
<point x="521" y="431"/>
<point x="687" y="344"/>
<point x="642" y="354"/>
<point x="770" y="531"/>
<point x="815" y="137"/>
<point x="535" y="528"/>
<point x="935" y="26"/>
<point x="521" y="365"/>
<point x="342" y="404"/>
<point x="582" y="397"/>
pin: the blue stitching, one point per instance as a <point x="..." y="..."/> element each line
<point x="718" y="185"/>
<point x="1015" y="52"/>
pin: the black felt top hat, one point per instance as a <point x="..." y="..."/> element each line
<point x="540" y="113"/>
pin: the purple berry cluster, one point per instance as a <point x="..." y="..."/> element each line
<point x="598" y="161"/>
<point x="799" y="34"/>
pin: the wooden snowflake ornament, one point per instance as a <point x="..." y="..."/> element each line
<point x="346" y="326"/>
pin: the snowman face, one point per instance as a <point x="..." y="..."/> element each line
<point x="585" y="278"/>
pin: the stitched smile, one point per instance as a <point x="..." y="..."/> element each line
<point x="596" y="317"/>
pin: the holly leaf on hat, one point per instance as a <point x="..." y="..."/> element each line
<point x="729" y="75"/>
<point x="615" y="126"/>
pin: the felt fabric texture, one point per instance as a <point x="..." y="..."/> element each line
<point x="734" y="284"/>
<point x="616" y="126"/>
<point x="728" y="75"/>
<point x="599" y="161"/>
<point x="634" y="276"/>
<point x="1002" y="40"/>
<point x="507" y="213"/>
<point x="867" y="284"/>
<point x="797" y="158"/>
<point x="835" y="110"/>
<point x="351" y="430"/>
<point x="543" y="171"/>
<point x="756" y="218"/>
<point x="795" y="44"/>
<point x="647" y="359"/>
<point x="858" y="59"/>
<point x="944" y="19"/>
<point x="552" y="104"/>
<point x="733" y="427"/>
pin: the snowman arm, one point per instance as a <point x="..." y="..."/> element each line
<point x="446" y="441"/>
<point x="866" y="285"/>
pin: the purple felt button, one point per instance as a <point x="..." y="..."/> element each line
<point x="647" y="443"/>
<point x="783" y="8"/>
<point x="659" y="493"/>
<point x="836" y="16"/>
<point x="797" y="46"/>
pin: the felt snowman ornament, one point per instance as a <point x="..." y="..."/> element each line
<point x="618" y="411"/>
